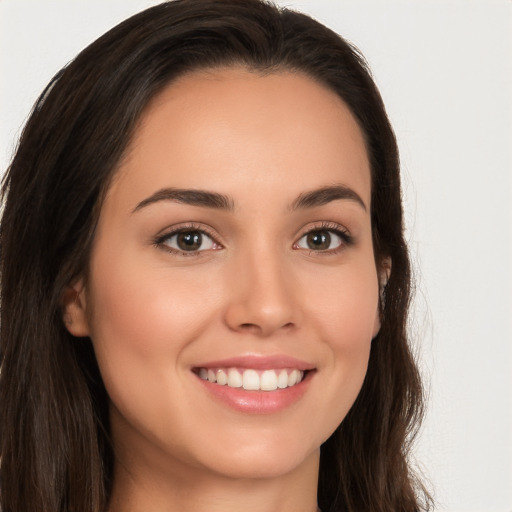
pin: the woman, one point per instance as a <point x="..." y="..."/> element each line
<point x="204" y="278"/>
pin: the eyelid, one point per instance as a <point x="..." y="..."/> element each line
<point x="338" y="229"/>
<point x="160" y="239"/>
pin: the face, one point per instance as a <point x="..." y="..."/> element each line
<point x="232" y="293"/>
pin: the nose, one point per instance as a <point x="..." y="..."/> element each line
<point x="262" y="298"/>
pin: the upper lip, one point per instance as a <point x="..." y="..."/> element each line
<point x="258" y="362"/>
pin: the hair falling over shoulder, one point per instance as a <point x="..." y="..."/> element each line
<point x="55" y="448"/>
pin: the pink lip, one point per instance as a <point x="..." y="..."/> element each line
<point x="258" y="402"/>
<point x="258" y="362"/>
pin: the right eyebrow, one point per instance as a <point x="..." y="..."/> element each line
<point x="325" y="195"/>
<point x="194" y="197"/>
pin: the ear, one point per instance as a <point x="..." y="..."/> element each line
<point x="384" y="273"/>
<point x="74" y="309"/>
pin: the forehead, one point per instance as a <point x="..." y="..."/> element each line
<point x="230" y="128"/>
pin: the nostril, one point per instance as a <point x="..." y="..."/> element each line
<point x="250" y="328"/>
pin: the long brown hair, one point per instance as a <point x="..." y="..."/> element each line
<point x="56" y="454"/>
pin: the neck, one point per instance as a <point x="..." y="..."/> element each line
<point x="194" y="490"/>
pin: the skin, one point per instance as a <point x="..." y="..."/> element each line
<point x="154" y="314"/>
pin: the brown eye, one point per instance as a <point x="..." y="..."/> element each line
<point x="188" y="241"/>
<point x="318" y="240"/>
<point x="323" y="240"/>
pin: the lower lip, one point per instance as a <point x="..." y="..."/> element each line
<point x="258" y="402"/>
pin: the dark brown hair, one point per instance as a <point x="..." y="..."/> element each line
<point x="56" y="454"/>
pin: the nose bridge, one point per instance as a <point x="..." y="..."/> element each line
<point x="262" y="300"/>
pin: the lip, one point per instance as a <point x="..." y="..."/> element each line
<point x="257" y="402"/>
<point x="258" y="362"/>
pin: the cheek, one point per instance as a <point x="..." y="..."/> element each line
<point x="146" y="307"/>
<point x="143" y="317"/>
<point x="345" y="304"/>
<point x="345" y="315"/>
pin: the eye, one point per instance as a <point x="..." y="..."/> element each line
<point x="324" y="240"/>
<point x="187" y="241"/>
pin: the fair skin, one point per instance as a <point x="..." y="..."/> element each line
<point x="273" y="276"/>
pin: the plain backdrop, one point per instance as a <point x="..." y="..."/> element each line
<point x="444" y="68"/>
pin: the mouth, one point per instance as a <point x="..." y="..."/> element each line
<point x="252" y="379"/>
<point x="255" y="384"/>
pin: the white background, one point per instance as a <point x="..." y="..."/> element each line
<point x="445" y="71"/>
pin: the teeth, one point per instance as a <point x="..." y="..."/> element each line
<point x="234" y="378"/>
<point x="292" y="378"/>
<point x="252" y="380"/>
<point x="222" y="378"/>
<point x="282" y="380"/>
<point x="268" y="380"/>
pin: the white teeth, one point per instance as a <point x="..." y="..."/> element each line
<point x="234" y="378"/>
<point x="268" y="380"/>
<point x="282" y="380"/>
<point x="292" y="378"/>
<point x="222" y="378"/>
<point x="252" y="380"/>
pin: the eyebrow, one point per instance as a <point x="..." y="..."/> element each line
<point x="207" y="199"/>
<point x="192" y="197"/>
<point x="324" y="195"/>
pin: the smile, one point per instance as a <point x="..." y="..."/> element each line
<point x="252" y="379"/>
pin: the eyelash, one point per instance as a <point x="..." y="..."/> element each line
<point x="347" y="239"/>
<point x="342" y="233"/>
<point x="160" y="241"/>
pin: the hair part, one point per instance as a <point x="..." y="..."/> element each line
<point x="56" y="453"/>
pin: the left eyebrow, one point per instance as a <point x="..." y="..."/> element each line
<point x="194" y="197"/>
<point x="324" y="195"/>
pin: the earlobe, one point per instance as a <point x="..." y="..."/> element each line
<point x="384" y="273"/>
<point x="74" y="315"/>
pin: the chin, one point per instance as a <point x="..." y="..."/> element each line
<point x="262" y="461"/>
